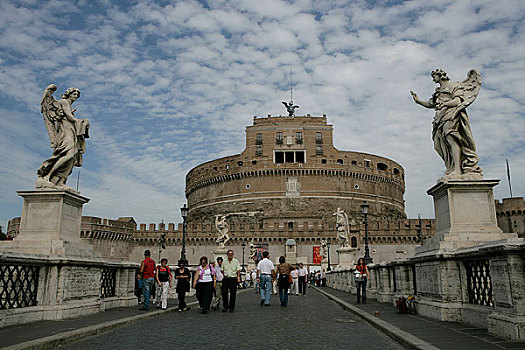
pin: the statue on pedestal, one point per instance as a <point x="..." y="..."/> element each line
<point x="342" y="226"/>
<point x="451" y="133"/>
<point x="290" y="108"/>
<point x="324" y="248"/>
<point x="253" y="251"/>
<point x="67" y="135"/>
<point x="223" y="228"/>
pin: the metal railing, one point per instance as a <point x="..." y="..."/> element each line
<point x="479" y="282"/>
<point x="108" y="282"/>
<point x="18" y="286"/>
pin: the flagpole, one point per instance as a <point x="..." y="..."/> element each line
<point x="508" y="177"/>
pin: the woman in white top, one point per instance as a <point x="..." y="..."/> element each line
<point x="204" y="284"/>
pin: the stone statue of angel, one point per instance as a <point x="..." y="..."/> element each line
<point x="290" y="108"/>
<point x="67" y="135"/>
<point x="223" y="227"/>
<point x="342" y="227"/>
<point x="324" y="248"/>
<point x="451" y="133"/>
<point x="253" y="251"/>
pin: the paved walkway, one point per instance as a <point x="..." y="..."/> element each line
<point x="442" y="335"/>
<point x="310" y="322"/>
<point x="317" y="321"/>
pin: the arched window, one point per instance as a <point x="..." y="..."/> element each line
<point x="353" y="242"/>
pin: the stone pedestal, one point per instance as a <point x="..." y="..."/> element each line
<point x="465" y="216"/>
<point x="50" y="225"/>
<point x="220" y="251"/>
<point x="347" y="257"/>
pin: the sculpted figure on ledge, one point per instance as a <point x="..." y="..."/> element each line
<point x="451" y="132"/>
<point x="223" y="228"/>
<point x="342" y="227"/>
<point x="67" y="135"/>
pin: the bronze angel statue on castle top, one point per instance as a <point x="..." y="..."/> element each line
<point x="451" y="133"/>
<point x="67" y="135"/>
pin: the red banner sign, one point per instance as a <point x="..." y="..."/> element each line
<point x="316" y="254"/>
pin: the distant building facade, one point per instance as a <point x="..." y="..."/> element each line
<point x="287" y="183"/>
<point x="510" y="213"/>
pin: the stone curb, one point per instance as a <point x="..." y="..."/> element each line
<point x="56" y="340"/>
<point x="399" y="335"/>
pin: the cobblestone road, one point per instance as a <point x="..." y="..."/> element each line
<point x="311" y="322"/>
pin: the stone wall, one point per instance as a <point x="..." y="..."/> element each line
<point x="483" y="286"/>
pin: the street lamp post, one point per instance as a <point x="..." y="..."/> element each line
<point x="364" y="210"/>
<point x="328" y="245"/>
<point x="184" y="213"/>
<point x="419" y="237"/>
<point x="243" y="245"/>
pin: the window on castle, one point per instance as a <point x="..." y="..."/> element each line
<point x="299" y="157"/>
<point x="367" y="163"/>
<point x="259" y="139"/>
<point x="318" y="137"/>
<point x="319" y="150"/>
<point x="289" y="157"/>
<point x="279" y="138"/>
<point x="259" y="151"/>
<point x="340" y="161"/>
<point x="382" y="166"/>
<point x="298" y="137"/>
<point x="290" y="225"/>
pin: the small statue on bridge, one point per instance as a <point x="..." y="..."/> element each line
<point x="342" y="227"/>
<point x="223" y="227"/>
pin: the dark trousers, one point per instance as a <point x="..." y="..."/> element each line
<point x="302" y="285"/>
<point x="323" y="282"/>
<point x="182" y="299"/>
<point x="361" y="286"/>
<point x="229" y="285"/>
<point x="205" y="294"/>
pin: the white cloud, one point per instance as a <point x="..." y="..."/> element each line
<point x="167" y="87"/>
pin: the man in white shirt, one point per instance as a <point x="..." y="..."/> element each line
<point x="303" y="278"/>
<point x="265" y="274"/>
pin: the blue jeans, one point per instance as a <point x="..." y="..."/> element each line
<point x="146" y="287"/>
<point x="283" y="295"/>
<point x="266" y="288"/>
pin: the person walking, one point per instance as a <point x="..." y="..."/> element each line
<point x="323" y="278"/>
<point x="255" y="281"/>
<point x="283" y="280"/>
<point x="361" y="279"/>
<point x="303" y="278"/>
<point x="183" y="276"/>
<point x="205" y="279"/>
<point x="218" y="287"/>
<point x="265" y="275"/>
<point x="164" y="278"/>
<point x="295" y="280"/>
<point x="147" y="271"/>
<point x="231" y="269"/>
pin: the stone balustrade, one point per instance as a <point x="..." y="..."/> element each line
<point x="35" y="288"/>
<point x="483" y="286"/>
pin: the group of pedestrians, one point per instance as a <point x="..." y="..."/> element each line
<point x="288" y="279"/>
<point x="220" y="279"/>
<point x="217" y="282"/>
<point x="212" y="282"/>
<point x="159" y="279"/>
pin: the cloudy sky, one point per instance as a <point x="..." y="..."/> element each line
<point x="168" y="85"/>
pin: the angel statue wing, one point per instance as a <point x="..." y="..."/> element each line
<point x="50" y="111"/>
<point x="471" y="87"/>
